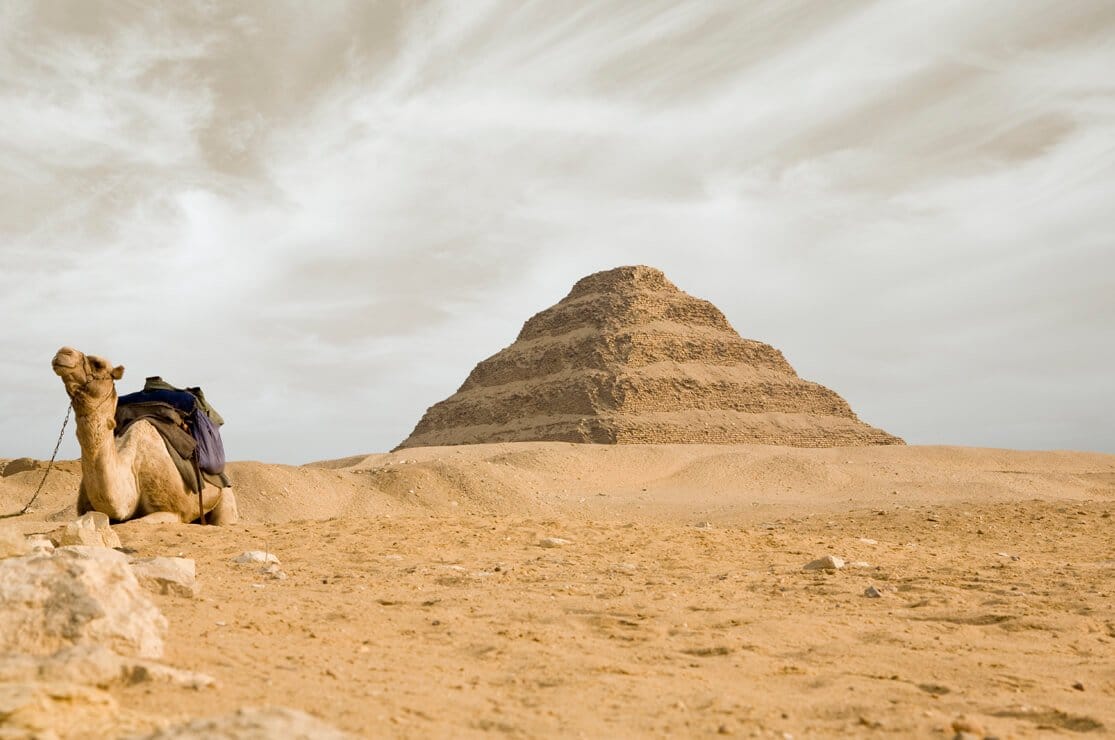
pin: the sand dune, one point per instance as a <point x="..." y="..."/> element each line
<point x="420" y="603"/>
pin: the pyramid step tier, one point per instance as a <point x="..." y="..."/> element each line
<point x="588" y="349"/>
<point x="682" y="427"/>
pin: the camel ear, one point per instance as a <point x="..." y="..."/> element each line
<point x="118" y="372"/>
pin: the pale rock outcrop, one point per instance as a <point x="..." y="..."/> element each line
<point x="52" y="710"/>
<point x="167" y="575"/>
<point x="12" y="543"/>
<point x="93" y="665"/>
<point x="253" y="724"/>
<point x="91" y="528"/>
<point x="76" y="596"/>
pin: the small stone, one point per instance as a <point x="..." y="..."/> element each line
<point x="12" y="543"/>
<point x="253" y="723"/>
<point x="273" y="571"/>
<point x="828" y="562"/>
<point x="872" y="593"/>
<point x="553" y="542"/>
<point x="1078" y="686"/>
<point x="868" y="541"/>
<point x="256" y="556"/>
<point x="91" y="529"/>
<point x="859" y="564"/>
<point x="703" y="525"/>
<point x="40" y="544"/>
<point x="167" y="575"/>
<point x="964" y="725"/>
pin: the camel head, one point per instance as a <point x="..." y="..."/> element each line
<point x="89" y="380"/>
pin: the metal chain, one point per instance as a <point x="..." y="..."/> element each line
<point x="42" y="483"/>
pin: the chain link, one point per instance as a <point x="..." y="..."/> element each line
<point x="42" y="483"/>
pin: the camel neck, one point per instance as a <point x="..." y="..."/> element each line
<point x="104" y="482"/>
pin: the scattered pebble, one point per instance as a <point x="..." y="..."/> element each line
<point x="273" y="571"/>
<point x="828" y="562"/>
<point x="703" y="525"/>
<point x="1008" y="555"/>
<point x="868" y="541"/>
<point x="872" y="593"/>
<point x="1078" y="686"/>
<point x="963" y="725"/>
<point x="859" y="564"/>
<point x="553" y="542"/>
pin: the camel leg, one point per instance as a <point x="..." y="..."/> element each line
<point x="83" y="505"/>
<point x="225" y="512"/>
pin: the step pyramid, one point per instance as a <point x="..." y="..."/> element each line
<point x="629" y="358"/>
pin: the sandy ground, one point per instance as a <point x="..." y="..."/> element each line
<point x="420" y="602"/>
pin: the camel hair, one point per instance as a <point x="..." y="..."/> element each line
<point x="131" y="476"/>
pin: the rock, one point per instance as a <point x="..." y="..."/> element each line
<point x="50" y="602"/>
<point x="12" y="543"/>
<point x="49" y="710"/>
<point x="1078" y="686"/>
<point x="703" y="525"/>
<point x="872" y="593"/>
<point x="963" y="725"/>
<point x="828" y="562"/>
<point x="859" y="564"/>
<point x="868" y="541"/>
<point x="273" y="571"/>
<point x="21" y="465"/>
<point x="256" y="556"/>
<point x="552" y="542"/>
<point x="167" y="575"/>
<point x="93" y="665"/>
<point x="91" y="529"/>
<point x="253" y="724"/>
<point x="40" y="544"/>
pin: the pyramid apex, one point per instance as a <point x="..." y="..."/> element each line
<point x="625" y="278"/>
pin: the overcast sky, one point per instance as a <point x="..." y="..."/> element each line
<point x="327" y="213"/>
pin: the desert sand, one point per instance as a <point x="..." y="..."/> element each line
<point x="421" y="601"/>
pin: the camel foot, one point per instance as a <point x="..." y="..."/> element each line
<point x="225" y="512"/>
<point x="159" y="517"/>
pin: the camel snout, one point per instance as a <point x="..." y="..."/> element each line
<point x="64" y="359"/>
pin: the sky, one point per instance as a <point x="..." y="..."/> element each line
<point x="326" y="214"/>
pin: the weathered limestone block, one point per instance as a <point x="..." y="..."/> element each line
<point x="167" y="575"/>
<point x="92" y="529"/>
<point x="12" y="543"/>
<point x="253" y="724"/>
<point x="76" y="596"/>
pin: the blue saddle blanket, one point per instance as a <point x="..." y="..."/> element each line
<point x="184" y="401"/>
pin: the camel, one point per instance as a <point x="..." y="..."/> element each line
<point x="131" y="477"/>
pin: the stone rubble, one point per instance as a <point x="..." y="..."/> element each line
<point x="92" y="528"/>
<point x="167" y="575"/>
<point x="256" y="556"/>
<point x="828" y="562"/>
<point x="253" y="724"/>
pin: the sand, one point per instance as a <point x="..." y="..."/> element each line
<point x="420" y="602"/>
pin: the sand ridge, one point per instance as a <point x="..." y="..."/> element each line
<point x="420" y="601"/>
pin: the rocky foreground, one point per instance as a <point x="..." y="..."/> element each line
<point x="905" y="592"/>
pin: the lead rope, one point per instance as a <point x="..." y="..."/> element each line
<point x="42" y="483"/>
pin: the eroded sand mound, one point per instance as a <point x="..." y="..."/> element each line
<point x="628" y="358"/>
<point x="556" y="589"/>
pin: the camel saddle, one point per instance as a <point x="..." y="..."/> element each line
<point x="173" y="412"/>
